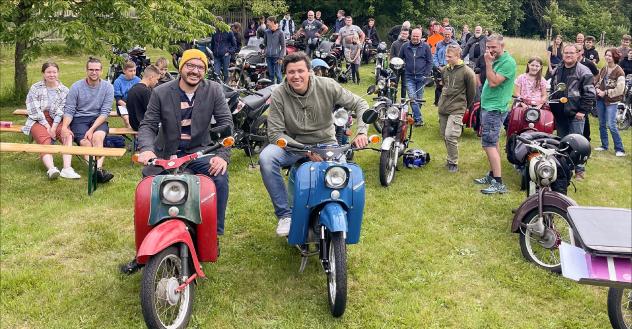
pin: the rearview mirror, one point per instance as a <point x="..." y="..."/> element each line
<point x="220" y="132"/>
<point x="369" y="116"/>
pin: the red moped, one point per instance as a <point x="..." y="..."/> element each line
<point x="175" y="221"/>
<point x="531" y="117"/>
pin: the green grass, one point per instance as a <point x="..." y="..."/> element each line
<point x="434" y="252"/>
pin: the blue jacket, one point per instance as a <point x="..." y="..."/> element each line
<point x="417" y="59"/>
<point x="439" y="56"/>
<point x="222" y="43"/>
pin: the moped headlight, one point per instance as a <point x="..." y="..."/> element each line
<point x="336" y="177"/>
<point x="239" y="61"/>
<point x="532" y="115"/>
<point x="546" y="172"/>
<point x="392" y="113"/>
<point x="317" y="53"/>
<point x="341" y="117"/>
<point x="381" y="84"/>
<point x="174" y="192"/>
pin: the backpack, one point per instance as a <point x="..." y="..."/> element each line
<point x="114" y="141"/>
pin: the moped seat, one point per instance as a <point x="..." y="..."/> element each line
<point x="603" y="231"/>
<point x="255" y="101"/>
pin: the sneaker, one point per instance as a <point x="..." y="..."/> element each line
<point x="53" y="173"/>
<point x="579" y="175"/>
<point x="452" y="168"/>
<point x="283" y="228"/>
<point x="69" y="173"/>
<point x="600" y="148"/>
<point x="495" y="187"/>
<point x="484" y="180"/>
<point x="104" y="176"/>
<point x="619" y="153"/>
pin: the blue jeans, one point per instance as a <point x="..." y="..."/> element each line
<point x="415" y="85"/>
<point x="274" y="69"/>
<point x="201" y="166"/>
<point x="271" y="160"/>
<point x="221" y="66"/>
<point x="608" y="120"/>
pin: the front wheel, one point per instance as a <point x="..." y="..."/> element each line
<point x="259" y="128"/>
<point x="620" y="308"/>
<point x="388" y="163"/>
<point x="544" y="251"/>
<point x="337" y="276"/>
<point x="625" y="123"/>
<point x="162" y="306"/>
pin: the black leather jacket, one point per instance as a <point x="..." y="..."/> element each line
<point x="579" y="89"/>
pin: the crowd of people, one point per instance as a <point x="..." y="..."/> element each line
<point x="172" y="115"/>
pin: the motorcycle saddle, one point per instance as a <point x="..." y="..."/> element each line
<point x="603" y="231"/>
<point x="255" y="101"/>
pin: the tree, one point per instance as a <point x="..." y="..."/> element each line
<point x="95" y="26"/>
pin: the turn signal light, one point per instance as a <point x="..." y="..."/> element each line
<point x="135" y="157"/>
<point x="410" y="120"/>
<point x="228" y="141"/>
<point x="281" y="142"/>
<point x="374" y="139"/>
<point x="563" y="100"/>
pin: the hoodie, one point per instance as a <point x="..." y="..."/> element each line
<point x="308" y="118"/>
<point x="459" y="89"/>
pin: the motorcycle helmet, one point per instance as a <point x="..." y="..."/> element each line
<point x="319" y="63"/>
<point x="415" y="158"/>
<point x="576" y="147"/>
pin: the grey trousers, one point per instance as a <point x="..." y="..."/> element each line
<point x="450" y="127"/>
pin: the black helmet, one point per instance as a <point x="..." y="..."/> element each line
<point x="577" y="147"/>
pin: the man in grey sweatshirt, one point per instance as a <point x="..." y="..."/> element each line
<point x="274" y="43"/>
<point x="301" y="112"/>
<point x="88" y="105"/>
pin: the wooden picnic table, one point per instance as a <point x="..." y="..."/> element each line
<point x="23" y="112"/>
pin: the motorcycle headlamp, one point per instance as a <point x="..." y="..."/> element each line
<point x="392" y="113"/>
<point x="381" y="84"/>
<point x="381" y="46"/>
<point x="532" y="115"/>
<point x="341" y="117"/>
<point x="336" y="177"/>
<point x="173" y="192"/>
<point x="317" y="53"/>
<point x="380" y="55"/>
<point x="546" y="171"/>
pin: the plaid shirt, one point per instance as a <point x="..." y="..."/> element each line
<point x="37" y="102"/>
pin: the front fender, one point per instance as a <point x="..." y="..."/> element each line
<point x="386" y="144"/>
<point x="164" y="235"/>
<point x="333" y="217"/>
<point x="549" y="198"/>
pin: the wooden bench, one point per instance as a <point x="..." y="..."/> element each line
<point x="23" y="112"/>
<point x="91" y="152"/>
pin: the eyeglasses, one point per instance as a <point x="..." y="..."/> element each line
<point x="192" y="67"/>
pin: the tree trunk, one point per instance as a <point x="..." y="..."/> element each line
<point x="20" y="79"/>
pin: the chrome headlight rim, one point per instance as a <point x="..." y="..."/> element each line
<point x="174" y="192"/>
<point x="336" y="177"/>
<point x="532" y="115"/>
<point x="392" y="113"/>
<point x="341" y="117"/>
<point x="545" y="171"/>
<point x="381" y="83"/>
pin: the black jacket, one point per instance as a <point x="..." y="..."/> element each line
<point x="371" y="34"/>
<point x="475" y="47"/>
<point x="579" y="90"/>
<point x="160" y="129"/>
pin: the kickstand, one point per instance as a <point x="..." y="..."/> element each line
<point x="303" y="263"/>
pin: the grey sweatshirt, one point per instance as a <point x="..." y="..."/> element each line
<point x="86" y="101"/>
<point x="308" y="118"/>
<point x="274" y="41"/>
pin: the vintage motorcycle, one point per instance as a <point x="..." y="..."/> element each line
<point x="136" y="55"/>
<point x="386" y="84"/>
<point x="175" y="230"/>
<point x="600" y="253"/>
<point x="250" y="67"/>
<point x="332" y="55"/>
<point x="294" y="44"/>
<point x="369" y="50"/>
<point x="533" y="118"/>
<point x="624" y="109"/>
<point x="542" y="219"/>
<point x="381" y="60"/>
<point x="328" y="204"/>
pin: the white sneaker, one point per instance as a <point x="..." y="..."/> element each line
<point x="620" y="154"/>
<point x="69" y="173"/>
<point x="53" y="173"/>
<point x="283" y="228"/>
<point x="600" y="149"/>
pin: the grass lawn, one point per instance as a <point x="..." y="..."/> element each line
<point x="434" y="251"/>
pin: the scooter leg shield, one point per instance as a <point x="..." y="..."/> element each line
<point x="334" y="217"/>
<point x="164" y="235"/>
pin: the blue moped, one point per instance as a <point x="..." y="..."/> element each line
<point x="327" y="199"/>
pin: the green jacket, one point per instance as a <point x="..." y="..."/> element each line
<point x="308" y="118"/>
<point x="459" y="89"/>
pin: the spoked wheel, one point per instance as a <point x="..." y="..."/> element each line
<point x="544" y="251"/>
<point x="388" y="163"/>
<point x="337" y="276"/>
<point x="259" y="128"/>
<point x="620" y="307"/>
<point x="162" y="306"/>
<point x="625" y="123"/>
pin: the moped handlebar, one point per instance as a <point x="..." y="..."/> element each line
<point x="178" y="162"/>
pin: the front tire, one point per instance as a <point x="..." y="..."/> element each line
<point x="388" y="163"/>
<point x="162" y="307"/>
<point x="259" y="128"/>
<point x="625" y="123"/>
<point x="555" y="219"/>
<point x="620" y="308"/>
<point x="337" y="276"/>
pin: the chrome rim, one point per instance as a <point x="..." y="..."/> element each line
<point x="547" y="257"/>
<point x="171" y="306"/>
<point x="332" y="272"/>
